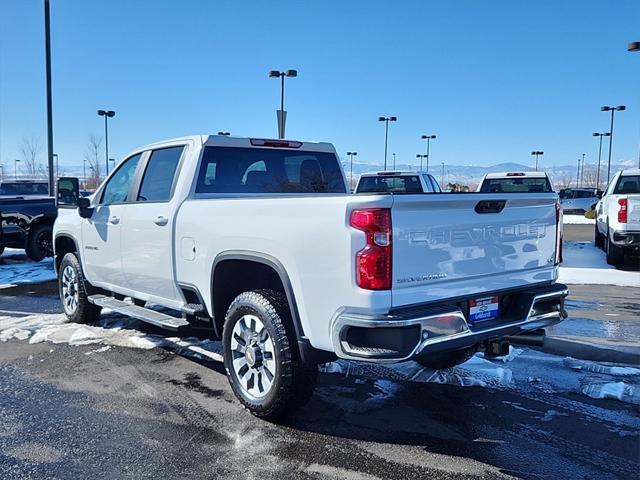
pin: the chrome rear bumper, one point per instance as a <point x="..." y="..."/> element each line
<point x="405" y="334"/>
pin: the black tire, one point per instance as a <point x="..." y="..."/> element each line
<point x="615" y="254"/>
<point x="293" y="381"/>
<point x="39" y="242"/>
<point x="84" y="311"/>
<point x="447" y="359"/>
<point x="598" y="238"/>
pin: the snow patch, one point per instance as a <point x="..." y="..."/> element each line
<point x="12" y="273"/>
<point x="577" y="220"/>
<point x="584" y="263"/>
<point x="616" y="390"/>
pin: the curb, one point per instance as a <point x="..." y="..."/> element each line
<point x="584" y="350"/>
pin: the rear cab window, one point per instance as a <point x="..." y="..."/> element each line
<point x="516" y="185"/>
<point x="390" y="184"/>
<point x="263" y="170"/>
<point x="627" y="185"/>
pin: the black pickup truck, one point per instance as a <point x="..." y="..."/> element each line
<point x="27" y="222"/>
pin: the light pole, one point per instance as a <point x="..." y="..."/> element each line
<point x="421" y="156"/>
<point x="611" y="109"/>
<point x="578" y="175"/>
<point x="351" y="154"/>
<point x="113" y="161"/>
<point x="394" y="161"/>
<point x="57" y="169"/>
<point x="442" y="175"/>
<point x="582" y="174"/>
<point x="1" y="172"/>
<point x="428" y="138"/>
<point x="47" y="48"/>
<point x="536" y="153"/>
<point x="84" y="172"/>
<point x="386" y="121"/>
<point x="281" y="114"/>
<point x="596" y="134"/>
<point x="106" y="114"/>
<point x="224" y="134"/>
<point x="15" y="168"/>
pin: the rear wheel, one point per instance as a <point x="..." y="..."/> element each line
<point x="264" y="372"/>
<point x="446" y="359"/>
<point x="39" y="242"/>
<point x="615" y="254"/>
<point x="73" y="291"/>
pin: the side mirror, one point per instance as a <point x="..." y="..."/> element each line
<point x="84" y="207"/>
<point x="67" y="192"/>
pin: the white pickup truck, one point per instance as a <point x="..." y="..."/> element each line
<point x="261" y="240"/>
<point x="618" y="216"/>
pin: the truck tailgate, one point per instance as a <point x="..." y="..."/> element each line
<point x="452" y="245"/>
<point x="633" y="210"/>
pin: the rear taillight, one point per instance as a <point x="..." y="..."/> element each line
<point x="373" y="262"/>
<point x="622" y="213"/>
<point x="558" y="257"/>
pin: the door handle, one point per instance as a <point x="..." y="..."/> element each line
<point x="162" y="221"/>
<point x="114" y="220"/>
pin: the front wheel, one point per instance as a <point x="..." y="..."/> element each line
<point x="263" y="370"/>
<point x="73" y="291"/>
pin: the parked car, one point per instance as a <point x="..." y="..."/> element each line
<point x="260" y="240"/>
<point x="27" y="222"/>
<point x="397" y="182"/>
<point x="578" y="200"/>
<point x="617" y="227"/>
<point x="23" y="188"/>
<point x="515" y="182"/>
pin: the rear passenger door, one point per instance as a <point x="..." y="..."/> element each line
<point x="147" y="229"/>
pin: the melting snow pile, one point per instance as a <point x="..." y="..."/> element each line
<point x="112" y="330"/>
<point x="16" y="269"/>
<point x="584" y="263"/>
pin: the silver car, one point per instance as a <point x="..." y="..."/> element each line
<point x="578" y="200"/>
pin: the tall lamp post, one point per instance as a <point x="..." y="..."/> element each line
<point x="106" y="114"/>
<point x="47" y="48"/>
<point x="351" y="155"/>
<point x="84" y="173"/>
<point x="386" y="121"/>
<point x="421" y="156"/>
<point x="597" y="134"/>
<point x="55" y="155"/>
<point x="442" y="175"/>
<point x="611" y="109"/>
<point x="113" y="162"/>
<point x="281" y="114"/>
<point x="536" y="153"/>
<point x="394" y="161"/>
<point x="582" y="173"/>
<point x="578" y="175"/>
<point x="428" y="138"/>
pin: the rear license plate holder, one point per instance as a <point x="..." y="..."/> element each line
<point x="483" y="309"/>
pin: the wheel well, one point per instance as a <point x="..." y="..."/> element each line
<point x="234" y="276"/>
<point x="63" y="245"/>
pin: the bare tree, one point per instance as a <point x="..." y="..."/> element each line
<point x="30" y="149"/>
<point x="563" y="180"/>
<point x="91" y="156"/>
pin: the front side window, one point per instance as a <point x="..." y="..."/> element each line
<point x="159" y="174"/>
<point x="262" y="170"/>
<point x="117" y="188"/>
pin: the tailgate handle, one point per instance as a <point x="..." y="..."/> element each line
<point x="490" y="206"/>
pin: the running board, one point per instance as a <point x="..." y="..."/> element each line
<point x="141" y="313"/>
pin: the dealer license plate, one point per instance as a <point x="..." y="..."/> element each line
<point x="485" y="308"/>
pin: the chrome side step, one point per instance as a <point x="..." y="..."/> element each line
<point x="141" y="313"/>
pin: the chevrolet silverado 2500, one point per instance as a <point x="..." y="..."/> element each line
<point x="261" y="240"/>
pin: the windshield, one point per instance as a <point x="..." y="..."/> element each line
<point x="20" y="188"/>
<point x="395" y="184"/>
<point x="516" y="185"/>
<point x="262" y="170"/>
<point x="628" y="184"/>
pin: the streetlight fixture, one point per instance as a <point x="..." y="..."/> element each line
<point x="428" y="138"/>
<point x="536" y="153"/>
<point x="634" y="47"/>
<point x="582" y="174"/>
<point x="578" y="175"/>
<point x="106" y="114"/>
<point x="15" y="168"/>
<point x="281" y="114"/>
<point x="611" y="109"/>
<point x="224" y="134"/>
<point x="394" y="161"/>
<point x="84" y="172"/>
<point x="421" y="156"/>
<point x="351" y="155"/>
<point x="386" y="121"/>
<point x="442" y="175"/>
<point x="597" y="134"/>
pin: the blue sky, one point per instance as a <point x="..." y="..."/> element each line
<point x="492" y="79"/>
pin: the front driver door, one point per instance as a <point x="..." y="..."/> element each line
<point x="101" y="234"/>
